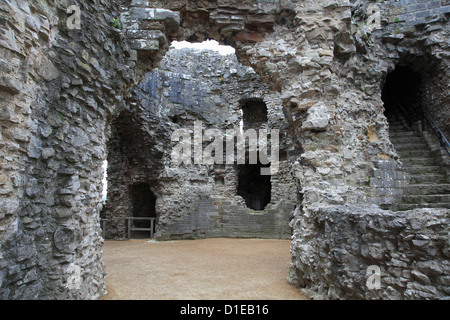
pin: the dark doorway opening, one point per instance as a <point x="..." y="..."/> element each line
<point x="254" y="112"/>
<point x="144" y="206"/>
<point x="253" y="187"/>
<point x="400" y="93"/>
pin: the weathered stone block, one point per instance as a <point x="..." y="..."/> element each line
<point x="144" y="45"/>
<point x="67" y="239"/>
<point x="10" y="85"/>
<point x="317" y="117"/>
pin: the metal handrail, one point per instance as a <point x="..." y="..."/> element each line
<point x="406" y="114"/>
<point x="426" y="116"/>
<point x="434" y="127"/>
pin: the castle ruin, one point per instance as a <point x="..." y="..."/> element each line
<point x="358" y="91"/>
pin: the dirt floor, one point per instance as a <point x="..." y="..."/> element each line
<point x="207" y="269"/>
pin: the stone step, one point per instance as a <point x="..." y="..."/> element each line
<point x="420" y="161"/>
<point x="395" y="123"/>
<point x="428" y="185"/>
<point x="427" y="179"/>
<point x="400" y="134"/>
<point x="397" y="129"/>
<point x="414" y="153"/>
<point x="410" y="146"/>
<point x="428" y="189"/>
<point x="426" y="199"/>
<point x="417" y="170"/>
<point x="398" y="126"/>
<point x="406" y="139"/>
<point x="411" y="206"/>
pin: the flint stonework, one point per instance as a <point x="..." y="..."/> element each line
<point x="353" y="189"/>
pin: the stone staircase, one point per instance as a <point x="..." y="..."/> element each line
<point x="429" y="185"/>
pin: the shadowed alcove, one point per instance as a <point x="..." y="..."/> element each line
<point x="401" y="90"/>
<point x="254" y="112"/>
<point x="143" y="206"/>
<point x="254" y="187"/>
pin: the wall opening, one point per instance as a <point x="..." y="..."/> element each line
<point x="254" y="112"/>
<point x="401" y="91"/>
<point x="208" y="45"/>
<point x="105" y="181"/>
<point x="143" y="206"/>
<point x="253" y="187"/>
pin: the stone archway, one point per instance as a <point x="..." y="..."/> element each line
<point x="415" y="79"/>
<point x="196" y="200"/>
<point x="144" y="206"/>
<point x="135" y="157"/>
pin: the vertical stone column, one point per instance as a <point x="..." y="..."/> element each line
<point x="61" y="85"/>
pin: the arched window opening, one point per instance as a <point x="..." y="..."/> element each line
<point x="253" y="187"/>
<point x="254" y="112"/>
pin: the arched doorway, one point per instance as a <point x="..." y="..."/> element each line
<point x="413" y="131"/>
<point x="143" y="210"/>
<point x="401" y="91"/>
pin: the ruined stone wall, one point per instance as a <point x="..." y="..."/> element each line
<point x="339" y="246"/>
<point x="197" y="200"/>
<point x="405" y="266"/>
<point x="61" y="89"/>
<point x="329" y="61"/>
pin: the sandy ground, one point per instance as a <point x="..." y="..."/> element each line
<point x="207" y="269"/>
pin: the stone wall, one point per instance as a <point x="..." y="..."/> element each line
<point x="416" y="12"/>
<point x="339" y="245"/>
<point x="59" y="88"/>
<point x="63" y="88"/>
<point x="224" y="217"/>
<point x="197" y="200"/>
<point x="404" y="273"/>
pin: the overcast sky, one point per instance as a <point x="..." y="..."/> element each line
<point x="209" y="44"/>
